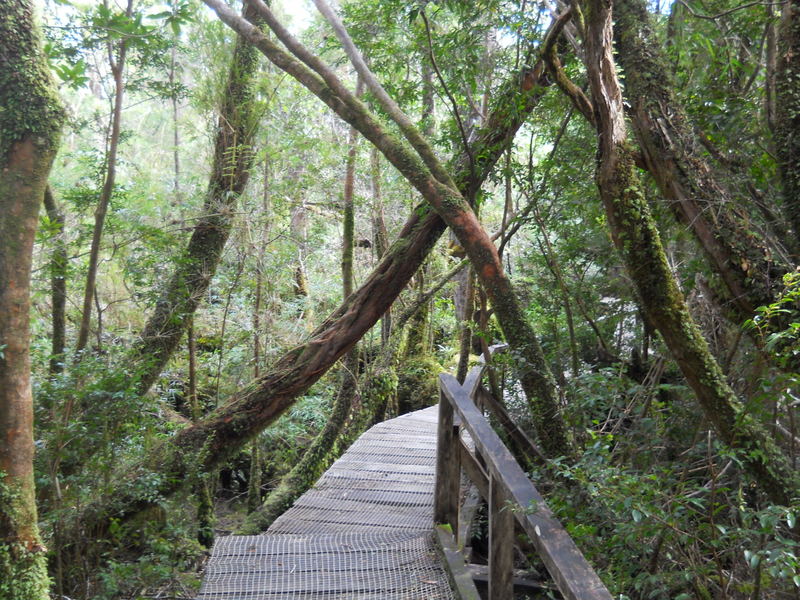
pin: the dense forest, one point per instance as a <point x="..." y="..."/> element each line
<point x="232" y="237"/>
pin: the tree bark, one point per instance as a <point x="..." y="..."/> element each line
<point x="636" y="238"/>
<point x="207" y="444"/>
<point x="771" y="70"/>
<point x="739" y="256"/>
<point x="29" y="131"/>
<point x="58" y="284"/>
<point x="465" y="326"/>
<point x="787" y="123"/>
<point x="349" y="213"/>
<point x="117" y="65"/>
<point x="380" y="236"/>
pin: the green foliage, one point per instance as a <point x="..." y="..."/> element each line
<point x="24" y="573"/>
<point x="418" y="384"/>
<point x="645" y="456"/>
<point x="23" y="569"/>
<point x="164" y="560"/>
<point x="648" y="531"/>
<point x="778" y="325"/>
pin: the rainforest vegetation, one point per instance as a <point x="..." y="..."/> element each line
<point x="233" y="236"/>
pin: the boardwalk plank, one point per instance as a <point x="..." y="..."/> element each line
<point x="362" y="532"/>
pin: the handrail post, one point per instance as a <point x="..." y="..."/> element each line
<point x="448" y="467"/>
<point x="501" y="542"/>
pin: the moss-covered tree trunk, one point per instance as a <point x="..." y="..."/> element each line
<point x="207" y="444"/>
<point x="636" y="238"/>
<point x="787" y="122"/>
<point x="465" y="325"/>
<point x="230" y="171"/>
<point x="299" y="231"/>
<point x="740" y="257"/>
<point x="30" y="122"/>
<point x="316" y="459"/>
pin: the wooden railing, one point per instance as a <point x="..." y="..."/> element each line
<point x="509" y="493"/>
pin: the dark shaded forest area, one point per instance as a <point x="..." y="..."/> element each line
<point x="234" y="236"/>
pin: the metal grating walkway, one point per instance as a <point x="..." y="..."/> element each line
<point x="363" y="531"/>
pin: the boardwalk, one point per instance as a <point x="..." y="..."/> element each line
<point x="363" y="531"/>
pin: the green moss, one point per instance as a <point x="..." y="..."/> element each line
<point x="418" y="385"/>
<point x="380" y="396"/>
<point x="23" y="569"/>
<point x="23" y="573"/>
<point x="637" y="239"/>
<point x="737" y="254"/>
<point x="29" y="105"/>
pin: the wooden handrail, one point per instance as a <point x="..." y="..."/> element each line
<point x="510" y="494"/>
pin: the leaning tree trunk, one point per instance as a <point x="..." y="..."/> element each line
<point x="233" y="159"/>
<point x="421" y="168"/>
<point x="636" y="238"/>
<point x="30" y="122"/>
<point x="207" y="444"/>
<point x="787" y="123"/>
<point x="740" y="257"/>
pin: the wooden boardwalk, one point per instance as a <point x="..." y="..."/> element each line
<point x="363" y="531"/>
